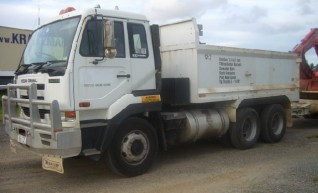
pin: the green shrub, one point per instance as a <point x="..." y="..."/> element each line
<point x="2" y="92"/>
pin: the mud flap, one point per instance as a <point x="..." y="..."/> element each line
<point x="13" y="146"/>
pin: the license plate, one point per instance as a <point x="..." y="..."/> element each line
<point x="54" y="164"/>
<point x="22" y="139"/>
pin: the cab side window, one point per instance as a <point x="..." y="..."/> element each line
<point x="92" y="39"/>
<point x="137" y="41"/>
<point x="92" y="44"/>
<point x="120" y="40"/>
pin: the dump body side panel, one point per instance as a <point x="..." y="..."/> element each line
<point x="219" y="73"/>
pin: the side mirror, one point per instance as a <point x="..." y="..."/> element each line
<point x="109" y="39"/>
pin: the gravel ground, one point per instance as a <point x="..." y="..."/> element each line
<point x="289" y="166"/>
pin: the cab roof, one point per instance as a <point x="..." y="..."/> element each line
<point x="99" y="11"/>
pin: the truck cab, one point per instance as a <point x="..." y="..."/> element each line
<point x="69" y="84"/>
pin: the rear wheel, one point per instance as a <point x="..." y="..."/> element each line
<point x="273" y="121"/>
<point x="133" y="148"/>
<point x="245" y="132"/>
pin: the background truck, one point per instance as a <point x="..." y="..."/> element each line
<point x="104" y="83"/>
<point x="12" y="44"/>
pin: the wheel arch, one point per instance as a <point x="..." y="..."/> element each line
<point x="260" y="103"/>
<point x="283" y="100"/>
<point x="137" y="110"/>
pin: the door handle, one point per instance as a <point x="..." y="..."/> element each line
<point x="123" y="75"/>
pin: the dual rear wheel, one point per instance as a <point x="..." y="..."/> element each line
<point x="269" y="125"/>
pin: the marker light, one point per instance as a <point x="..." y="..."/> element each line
<point x="68" y="9"/>
<point x="84" y="104"/>
<point x="70" y="114"/>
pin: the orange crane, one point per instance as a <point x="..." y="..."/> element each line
<point x="308" y="78"/>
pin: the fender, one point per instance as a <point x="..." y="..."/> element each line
<point x="98" y="134"/>
<point x="265" y="101"/>
<point x="114" y="123"/>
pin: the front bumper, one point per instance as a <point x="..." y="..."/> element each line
<point x="44" y="137"/>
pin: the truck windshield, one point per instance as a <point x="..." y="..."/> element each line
<point x="49" y="48"/>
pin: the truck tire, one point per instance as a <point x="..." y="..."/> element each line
<point x="273" y="121"/>
<point x="245" y="132"/>
<point x="133" y="148"/>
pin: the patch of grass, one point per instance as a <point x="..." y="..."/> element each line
<point x="313" y="136"/>
<point x="315" y="178"/>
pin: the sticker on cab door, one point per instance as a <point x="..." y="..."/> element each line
<point x="150" y="99"/>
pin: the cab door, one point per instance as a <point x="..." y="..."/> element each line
<point x="141" y="57"/>
<point x="100" y="81"/>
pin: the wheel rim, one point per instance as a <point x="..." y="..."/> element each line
<point x="249" y="128"/>
<point x="135" y="147"/>
<point x="277" y="124"/>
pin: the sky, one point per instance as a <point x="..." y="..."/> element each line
<point x="258" y="24"/>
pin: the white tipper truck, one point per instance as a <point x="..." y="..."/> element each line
<point x="104" y="83"/>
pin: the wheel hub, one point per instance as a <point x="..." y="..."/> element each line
<point x="249" y="128"/>
<point x="135" y="147"/>
<point x="277" y="124"/>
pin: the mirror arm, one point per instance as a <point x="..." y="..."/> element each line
<point x="96" y="61"/>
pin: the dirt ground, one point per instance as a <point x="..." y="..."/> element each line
<point x="207" y="166"/>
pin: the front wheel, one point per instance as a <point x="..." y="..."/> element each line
<point x="133" y="148"/>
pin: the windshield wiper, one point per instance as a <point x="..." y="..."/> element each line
<point x="55" y="61"/>
<point x="48" y="63"/>
<point x="37" y="66"/>
<point x="26" y="67"/>
<point x="40" y="65"/>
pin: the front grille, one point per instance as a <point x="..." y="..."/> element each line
<point x="42" y="112"/>
<point x="27" y="97"/>
<point x="39" y="87"/>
